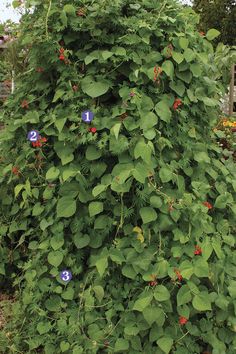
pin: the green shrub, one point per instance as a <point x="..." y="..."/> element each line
<point x="142" y="211"/>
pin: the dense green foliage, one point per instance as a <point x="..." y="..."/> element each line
<point x="219" y="14"/>
<point x="142" y="211"/>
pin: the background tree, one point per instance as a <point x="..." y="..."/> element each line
<point x="219" y="14"/>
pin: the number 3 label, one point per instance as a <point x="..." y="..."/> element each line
<point x="66" y="275"/>
<point x="33" y="135"/>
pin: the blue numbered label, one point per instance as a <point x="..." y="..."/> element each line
<point x="66" y="275"/>
<point x="33" y="135"/>
<point x="87" y="116"/>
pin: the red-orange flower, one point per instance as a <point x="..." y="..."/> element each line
<point x="93" y="130"/>
<point x="177" y="103"/>
<point x="123" y="116"/>
<point x="39" y="142"/>
<point x="182" y="320"/>
<point x="157" y="72"/>
<point x="25" y="104"/>
<point x="198" y="250"/>
<point x="202" y="33"/>
<point x="179" y="276"/>
<point x="169" y="50"/>
<point x="153" y="282"/>
<point x="39" y="70"/>
<point x="81" y="11"/>
<point x="62" y="57"/>
<point x="15" y="170"/>
<point x="36" y="143"/>
<point x="208" y="205"/>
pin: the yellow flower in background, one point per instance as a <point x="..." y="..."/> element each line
<point x="137" y="229"/>
<point x="227" y="123"/>
<point x="140" y="238"/>
<point x="139" y="232"/>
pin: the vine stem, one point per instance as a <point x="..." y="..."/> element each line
<point x="47" y="16"/>
<point x="182" y="337"/>
<point x="162" y="8"/>
<point x="121" y="215"/>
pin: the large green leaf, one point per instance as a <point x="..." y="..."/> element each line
<point x="102" y="264"/>
<point x="184" y="295"/>
<point x="178" y="87"/>
<point x="163" y="111"/>
<point x="52" y="173"/>
<point x="212" y="34"/>
<point x="154" y="314"/>
<point x="189" y="55"/>
<point x="165" y="174"/>
<point x="55" y="258"/>
<point x="201" y="302"/>
<point x="121" y="345"/>
<point x="66" y="207"/>
<point x="69" y="9"/>
<point x="178" y="57"/>
<point x="143" y="302"/>
<point x="94" y="88"/>
<point x="92" y="153"/>
<point x="183" y="42"/>
<point x="64" y="151"/>
<point x="161" y="293"/>
<point x="168" y="68"/>
<point x="95" y="208"/>
<point x="222" y="200"/>
<point x="98" y="189"/>
<point x="148" y="214"/>
<point x="57" y="241"/>
<point x="142" y="150"/>
<point x="165" y="343"/>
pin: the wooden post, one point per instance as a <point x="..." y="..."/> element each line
<point x="12" y="81"/>
<point x="231" y="91"/>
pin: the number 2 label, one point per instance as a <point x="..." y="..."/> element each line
<point x="33" y="135"/>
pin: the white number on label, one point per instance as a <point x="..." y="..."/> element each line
<point x="33" y="136"/>
<point x="87" y="117"/>
<point x="65" y="276"/>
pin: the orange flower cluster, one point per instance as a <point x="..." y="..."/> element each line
<point x="177" y="103"/>
<point x="62" y="56"/>
<point x="93" y="130"/>
<point x="227" y="123"/>
<point x="15" y="170"/>
<point x="169" y="51"/>
<point x="179" y="276"/>
<point x="157" y="73"/>
<point x="123" y="116"/>
<point x="183" y="320"/>
<point x="25" y="104"/>
<point x="208" y="205"/>
<point x="198" y="250"/>
<point x="81" y="11"/>
<point x="39" y="142"/>
<point x="153" y="282"/>
<point x="39" y="70"/>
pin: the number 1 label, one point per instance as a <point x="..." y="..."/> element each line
<point x="87" y="116"/>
